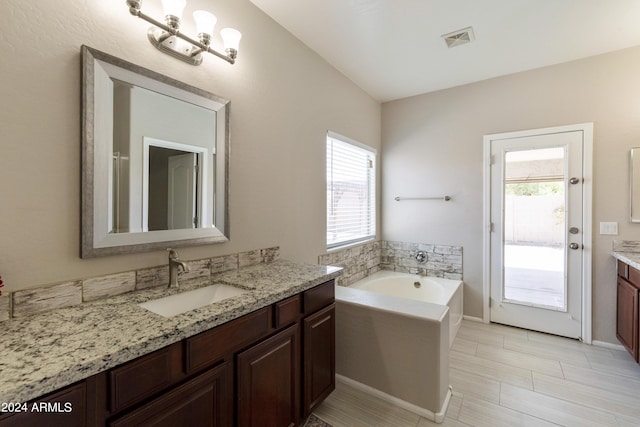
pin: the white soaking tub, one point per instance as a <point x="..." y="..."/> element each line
<point x="434" y="290"/>
<point x="393" y="336"/>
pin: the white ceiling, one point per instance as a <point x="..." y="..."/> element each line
<point x="393" y="48"/>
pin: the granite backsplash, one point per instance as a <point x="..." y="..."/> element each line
<point x="37" y="300"/>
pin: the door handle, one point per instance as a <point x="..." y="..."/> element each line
<point x="574" y="246"/>
<point x="574" y="180"/>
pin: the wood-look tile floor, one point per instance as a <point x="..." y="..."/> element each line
<point x="503" y="376"/>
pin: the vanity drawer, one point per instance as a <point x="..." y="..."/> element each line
<point x="316" y="298"/>
<point x="287" y="311"/>
<point x="201" y="401"/>
<point x="623" y="270"/>
<point x="634" y="276"/>
<point x="209" y="347"/>
<point x="141" y="378"/>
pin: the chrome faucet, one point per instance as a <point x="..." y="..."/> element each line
<point x="175" y="264"/>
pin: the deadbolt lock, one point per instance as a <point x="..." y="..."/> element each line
<point x="574" y="230"/>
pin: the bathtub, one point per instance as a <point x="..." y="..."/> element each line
<point x="433" y="290"/>
<point x="393" y="339"/>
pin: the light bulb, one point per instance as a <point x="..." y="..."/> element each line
<point x="231" y="38"/>
<point x="173" y="7"/>
<point x="205" y="22"/>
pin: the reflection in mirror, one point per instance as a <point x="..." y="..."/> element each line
<point x="174" y="180"/>
<point x="634" y="184"/>
<point x="155" y="160"/>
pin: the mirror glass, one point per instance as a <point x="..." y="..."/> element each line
<point x="155" y="160"/>
<point x="634" y="184"/>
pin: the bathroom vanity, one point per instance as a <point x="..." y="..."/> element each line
<point x="272" y="365"/>
<point x="627" y="311"/>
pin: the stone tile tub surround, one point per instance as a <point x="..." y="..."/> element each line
<point x="47" y="351"/>
<point x="363" y="260"/>
<point x="37" y="300"/>
<point x="357" y="261"/>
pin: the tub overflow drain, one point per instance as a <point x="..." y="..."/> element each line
<point x="417" y="284"/>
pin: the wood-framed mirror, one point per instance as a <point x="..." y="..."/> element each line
<point x="155" y="160"/>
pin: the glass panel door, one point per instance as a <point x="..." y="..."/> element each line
<point x="534" y="228"/>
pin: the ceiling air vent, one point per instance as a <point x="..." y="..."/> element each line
<point x="459" y="37"/>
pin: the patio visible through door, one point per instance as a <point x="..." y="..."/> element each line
<point x="536" y="230"/>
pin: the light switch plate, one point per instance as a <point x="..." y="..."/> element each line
<point x="609" y="228"/>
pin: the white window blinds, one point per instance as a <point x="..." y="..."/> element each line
<point x="351" y="190"/>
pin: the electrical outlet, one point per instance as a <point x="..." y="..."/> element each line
<point x="609" y="228"/>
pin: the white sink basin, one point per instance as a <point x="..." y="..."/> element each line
<point x="187" y="301"/>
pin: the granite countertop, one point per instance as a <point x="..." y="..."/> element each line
<point x="44" y="352"/>
<point x="631" y="258"/>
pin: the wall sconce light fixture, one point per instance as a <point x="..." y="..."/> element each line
<point x="168" y="38"/>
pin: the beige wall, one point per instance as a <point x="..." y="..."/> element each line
<point x="283" y="100"/>
<point x="432" y="145"/>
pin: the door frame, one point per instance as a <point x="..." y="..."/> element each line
<point x="202" y="176"/>
<point x="587" y="220"/>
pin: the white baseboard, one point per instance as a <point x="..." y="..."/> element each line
<point x="437" y="417"/>
<point x="593" y="342"/>
<point x="608" y="345"/>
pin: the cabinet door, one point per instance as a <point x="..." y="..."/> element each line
<point x="144" y="377"/>
<point x="203" y="401"/>
<point x="319" y="356"/>
<point x="268" y="381"/>
<point x="627" y="316"/>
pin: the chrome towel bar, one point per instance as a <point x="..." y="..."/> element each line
<point x="445" y="198"/>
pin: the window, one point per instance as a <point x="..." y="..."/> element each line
<point x="351" y="191"/>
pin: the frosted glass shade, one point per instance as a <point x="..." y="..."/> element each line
<point x="231" y="38"/>
<point x="173" y="7"/>
<point x="205" y="22"/>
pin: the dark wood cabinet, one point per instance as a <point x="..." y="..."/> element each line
<point x="268" y="368"/>
<point x="268" y="381"/>
<point x="218" y="343"/>
<point x="319" y="358"/>
<point x="202" y="401"/>
<point x="145" y="376"/>
<point x="280" y="381"/>
<point x="287" y="311"/>
<point x="627" y="316"/>
<point x="627" y="310"/>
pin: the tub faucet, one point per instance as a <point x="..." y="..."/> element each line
<point x="175" y="264"/>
